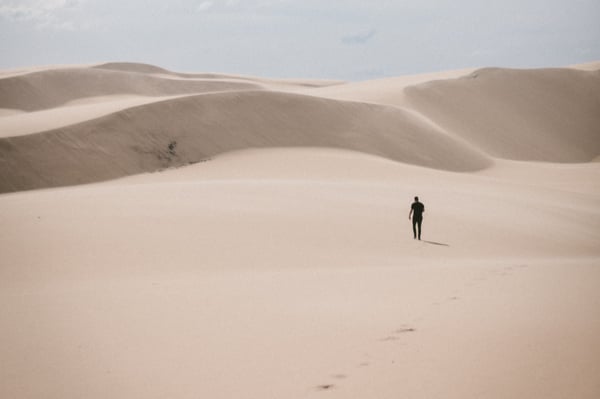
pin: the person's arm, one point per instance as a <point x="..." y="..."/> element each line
<point x="410" y="214"/>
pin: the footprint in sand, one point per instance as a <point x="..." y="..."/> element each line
<point x="397" y="332"/>
<point x="389" y="338"/>
<point x="404" y="330"/>
<point x="328" y="387"/>
<point x="325" y="387"/>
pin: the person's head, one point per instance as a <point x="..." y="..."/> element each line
<point x="417" y="199"/>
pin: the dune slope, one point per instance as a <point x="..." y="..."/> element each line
<point x="51" y="88"/>
<point x="190" y="129"/>
<point x="270" y="82"/>
<point x="456" y="124"/>
<point x="256" y="276"/>
<point x="280" y="272"/>
<point x="539" y="115"/>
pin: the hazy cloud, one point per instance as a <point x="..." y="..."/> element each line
<point x="340" y="39"/>
<point x="361" y="38"/>
<point x="41" y="13"/>
<point x="205" y="5"/>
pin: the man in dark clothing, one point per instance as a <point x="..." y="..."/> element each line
<point x="416" y="211"/>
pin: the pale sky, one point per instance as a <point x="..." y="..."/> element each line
<point x="350" y="40"/>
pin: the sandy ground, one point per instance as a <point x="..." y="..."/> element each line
<point x="291" y="270"/>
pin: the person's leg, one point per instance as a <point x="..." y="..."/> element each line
<point x="414" y="223"/>
<point x="419" y="226"/>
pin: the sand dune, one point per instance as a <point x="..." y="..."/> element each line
<point x="290" y="272"/>
<point x="389" y="91"/>
<point x="449" y="123"/>
<point x="47" y="89"/>
<point x="140" y="68"/>
<point x="284" y="265"/>
<point x="588" y="66"/>
<point x="271" y="205"/>
<point x="273" y="83"/>
<point x="187" y="130"/>
<point x="33" y="100"/>
<point x="566" y="209"/>
<point x="539" y="115"/>
<point x="542" y="115"/>
<point x="19" y="123"/>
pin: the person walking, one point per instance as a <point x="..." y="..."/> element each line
<point x="416" y="212"/>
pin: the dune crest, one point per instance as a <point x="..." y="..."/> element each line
<point x="269" y="82"/>
<point x="190" y="129"/>
<point x="133" y="67"/>
<point x="148" y="118"/>
<point x="51" y="88"/>
<point x="547" y="115"/>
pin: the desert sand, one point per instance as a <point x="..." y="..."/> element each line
<point x="217" y="236"/>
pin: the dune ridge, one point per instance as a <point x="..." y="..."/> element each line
<point x="168" y="119"/>
<point x="19" y="123"/>
<point x="550" y="115"/>
<point x="155" y="70"/>
<point x="187" y="130"/>
<point x="51" y="88"/>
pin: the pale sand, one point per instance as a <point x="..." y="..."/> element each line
<point x="384" y="91"/>
<point x="292" y="272"/>
<point x="18" y="123"/>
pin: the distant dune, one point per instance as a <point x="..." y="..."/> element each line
<point x="157" y="71"/>
<point x="535" y="115"/>
<point x="51" y="88"/>
<point x="147" y="118"/>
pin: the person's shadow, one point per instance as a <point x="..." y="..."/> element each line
<point x="436" y="243"/>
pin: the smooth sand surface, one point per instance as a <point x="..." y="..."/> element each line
<point x="271" y="255"/>
<point x="387" y="90"/>
<point x="18" y="123"/>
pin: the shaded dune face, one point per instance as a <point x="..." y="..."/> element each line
<point x="550" y="115"/>
<point x="190" y="129"/>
